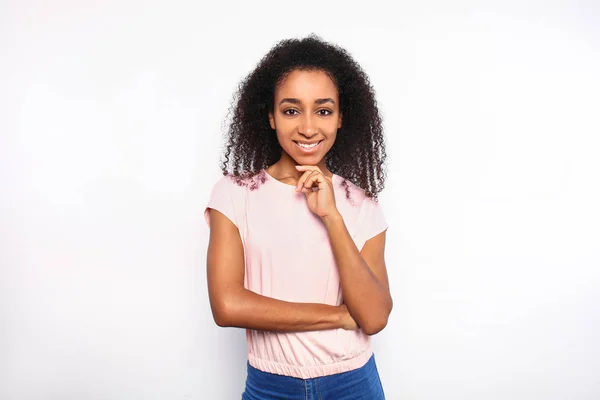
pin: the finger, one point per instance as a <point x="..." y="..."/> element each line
<point x="314" y="168"/>
<point x="308" y="167"/>
<point x="302" y="179"/>
<point x="307" y="182"/>
<point x="312" y="178"/>
<point x="315" y="177"/>
<point x="315" y="180"/>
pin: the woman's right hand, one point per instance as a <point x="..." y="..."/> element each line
<point x="348" y="323"/>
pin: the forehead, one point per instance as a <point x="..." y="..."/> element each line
<point x="307" y="85"/>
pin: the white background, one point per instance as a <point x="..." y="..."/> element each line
<point x="111" y="119"/>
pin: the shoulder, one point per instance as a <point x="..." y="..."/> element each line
<point x="365" y="213"/>
<point x="225" y="189"/>
<point x="352" y="192"/>
<point x="237" y="187"/>
<point x="228" y="196"/>
<point x="224" y="185"/>
<point x="234" y="183"/>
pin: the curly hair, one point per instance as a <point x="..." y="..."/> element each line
<point x="358" y="153"/>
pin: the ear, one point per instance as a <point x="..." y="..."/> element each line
<point x="271" y="120"/>
<point x="340" y="121"/>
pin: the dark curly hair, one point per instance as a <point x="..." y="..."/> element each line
<point x="358" y="153"/>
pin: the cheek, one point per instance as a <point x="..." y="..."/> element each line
<point x="284" y="126"/>
<point x="284" y="137"/>
<point x="331" y="141"/>
<point x="331" y="126"/>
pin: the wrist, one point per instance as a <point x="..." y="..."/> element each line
<point x="345" y="320"/>
<point x="340" y="316"/>
<point x="332" y="218"/>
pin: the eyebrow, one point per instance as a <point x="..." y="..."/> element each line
<point x="297" y="101"/>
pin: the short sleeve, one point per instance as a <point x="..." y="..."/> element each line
<point x="222" y="199"/>
<point x="372" y="221"/>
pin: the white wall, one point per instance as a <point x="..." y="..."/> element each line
<point x="110" y="122"/>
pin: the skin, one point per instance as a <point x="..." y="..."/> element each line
<point x="306" y="109"/>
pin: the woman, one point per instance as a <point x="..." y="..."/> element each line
<point x="297" y="238"/>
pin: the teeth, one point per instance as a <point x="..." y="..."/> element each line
<point x="308" y="146"/>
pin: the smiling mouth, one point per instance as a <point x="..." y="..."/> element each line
<point x="308" y="146"/>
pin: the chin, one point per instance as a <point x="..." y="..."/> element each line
<point x="307" y="159"/>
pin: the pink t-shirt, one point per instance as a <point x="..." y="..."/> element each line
<point x="288" y="257"/>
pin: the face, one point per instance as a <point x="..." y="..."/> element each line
<point x="306" y="116"/>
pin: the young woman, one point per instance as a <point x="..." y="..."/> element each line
<point x="297" y="237"/>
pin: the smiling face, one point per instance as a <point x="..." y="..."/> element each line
<point x="306" y="116"/>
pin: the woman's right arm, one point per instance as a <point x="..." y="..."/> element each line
<point x="235" y="306"/>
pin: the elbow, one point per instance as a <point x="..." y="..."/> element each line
<point x="223" y="314"/>
<point x="377" y="323"/>
<point x="373" y="327"/>
<point x="225" y="307"/>
<point x="221" y="319"/>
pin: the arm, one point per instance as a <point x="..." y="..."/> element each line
<point x="363" y="276"/>
<point x="234" y="306"/>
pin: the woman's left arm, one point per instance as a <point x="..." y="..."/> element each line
<point x="363" y="275"/>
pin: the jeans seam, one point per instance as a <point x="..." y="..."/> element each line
<point x="318" y="388"/>
<point x="305" y="390"/>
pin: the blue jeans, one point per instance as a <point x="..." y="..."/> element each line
<point x="360" y="384"/>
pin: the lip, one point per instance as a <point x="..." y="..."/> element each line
<point x="309" y="151"/>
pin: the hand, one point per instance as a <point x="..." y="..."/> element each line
<point x="322" y="201"/>
<point x="348" y="323"/>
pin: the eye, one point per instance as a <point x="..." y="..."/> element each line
<point x="290" y="111"/>
<point x="324" y="112"/>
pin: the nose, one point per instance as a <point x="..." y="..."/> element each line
<point x="307" y="126"/>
